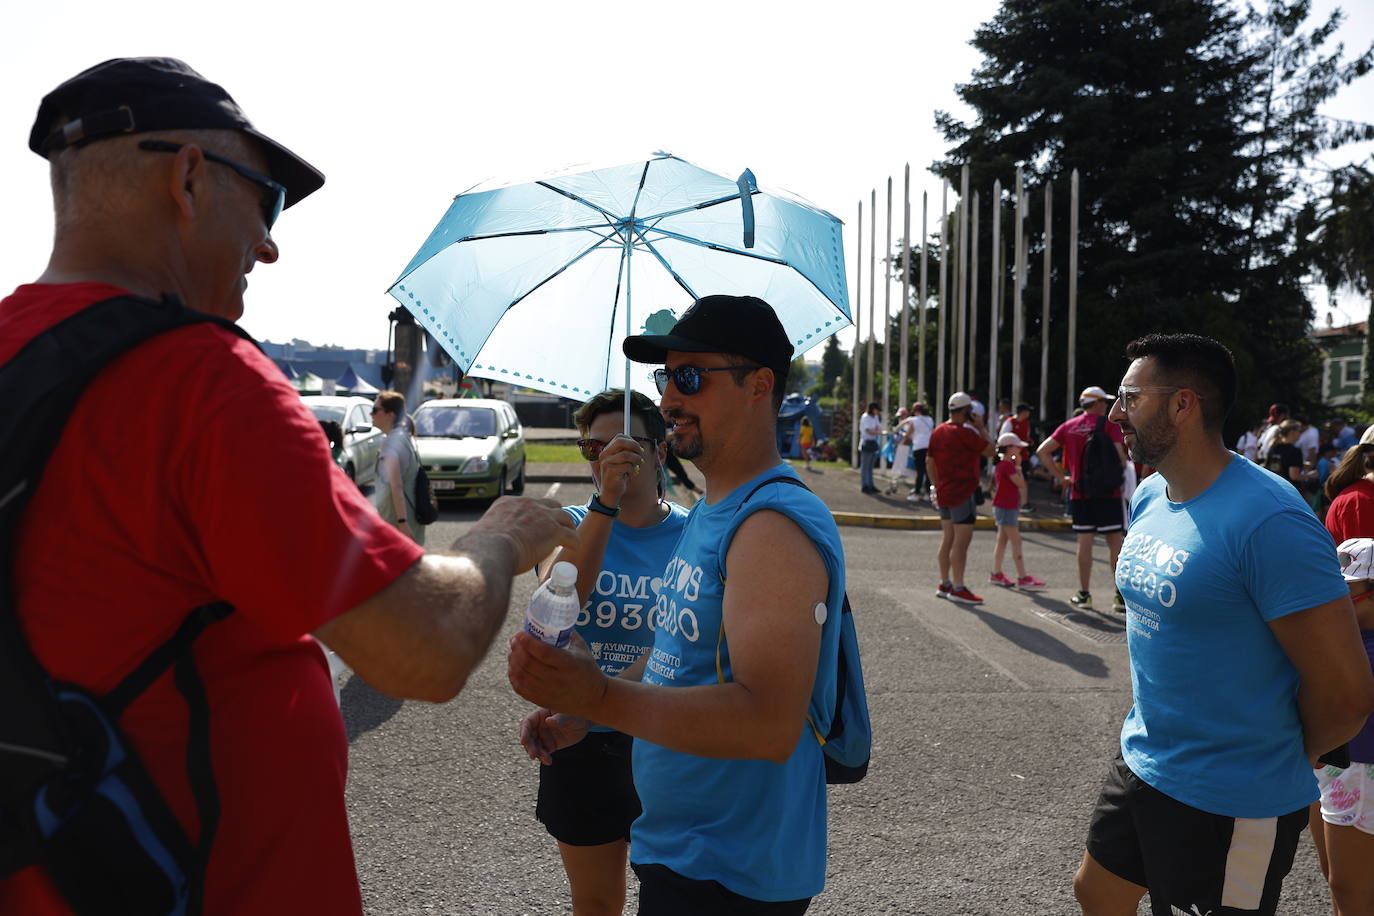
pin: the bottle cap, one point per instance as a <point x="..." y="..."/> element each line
<point x="564" y="575"/>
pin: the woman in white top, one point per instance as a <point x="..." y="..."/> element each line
<point x="922" y="426"/>
<point x="397" y="465"/>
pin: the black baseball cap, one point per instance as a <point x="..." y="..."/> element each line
<point x="743" y="325"/>
<point x="134" y="95"/>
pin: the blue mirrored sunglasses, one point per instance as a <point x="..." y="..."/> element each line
<point x="274" y="192"/>
<point x="688" y="378"/>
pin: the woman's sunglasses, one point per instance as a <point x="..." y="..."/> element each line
<point x="591" y="448"/>
<point x="688" y="378"/>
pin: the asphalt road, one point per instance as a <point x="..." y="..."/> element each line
<point x="993" y="727"/>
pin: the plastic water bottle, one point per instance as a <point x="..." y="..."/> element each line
<point x="554" y="606"/>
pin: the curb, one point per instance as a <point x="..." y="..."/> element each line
<point x="873" y="519"/>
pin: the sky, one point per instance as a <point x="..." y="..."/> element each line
<point x="409" y="104"/>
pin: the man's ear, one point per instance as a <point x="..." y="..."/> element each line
<point x="186" y="179"/>
<point x="760" y="384"/>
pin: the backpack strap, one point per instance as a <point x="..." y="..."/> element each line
<point x="41" y="386"/>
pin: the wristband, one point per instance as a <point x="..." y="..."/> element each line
<point x="596" y="505"/>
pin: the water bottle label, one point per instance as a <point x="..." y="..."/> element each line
<point x="558" y="639"/>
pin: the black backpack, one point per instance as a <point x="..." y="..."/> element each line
<point x="1100" y="470"/>
<point x="74" y="797"/>
<point x="426" y="513"/>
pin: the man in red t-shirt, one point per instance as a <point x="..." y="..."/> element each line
<point x="190" y="472"/>
<point x="952" y="462"/>
<point x="1091" y="515"/>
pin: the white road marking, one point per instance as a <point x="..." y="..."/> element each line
<point x="553" y="488"/>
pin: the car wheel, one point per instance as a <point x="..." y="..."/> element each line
<point x="518" y="487"/>
<point x="501" y="490"/>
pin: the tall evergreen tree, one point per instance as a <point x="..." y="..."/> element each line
<point x="1186" y="120"/>
<point x="1345" y="246"/>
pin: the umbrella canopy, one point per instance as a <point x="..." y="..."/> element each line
<point x="537" y="284"/>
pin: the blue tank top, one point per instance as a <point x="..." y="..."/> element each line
<point x="757" y="827"/>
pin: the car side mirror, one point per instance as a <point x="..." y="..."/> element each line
<point x="360" y="429"/>
<point x="513" y="432"/>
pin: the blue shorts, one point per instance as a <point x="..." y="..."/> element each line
<point x="1006" y="517"/>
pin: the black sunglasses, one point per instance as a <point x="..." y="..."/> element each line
<point x="688" y="378"/>
<point x="591" y="448"/>
<point x="274" y="197"/>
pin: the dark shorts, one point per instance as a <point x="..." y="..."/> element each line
<point x="663" y="892"/>
<point x="587" y="795"/>
<point x="1188" y="858"/>
<point x="965" y="513"/>
<point x="1097" y="514"/>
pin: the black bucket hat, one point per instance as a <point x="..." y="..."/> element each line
<point x="743" y="325"/>
<point x="133" y="95"/>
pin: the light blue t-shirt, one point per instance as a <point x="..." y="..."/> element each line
<point x="757" y="827"/>
<point x="1215" y="722"/>
<point x="616" y="620"/>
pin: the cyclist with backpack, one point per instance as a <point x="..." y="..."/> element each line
<point x="1094" y="465"/>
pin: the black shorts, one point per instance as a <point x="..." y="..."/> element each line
<point x="1188" y="858"/>
<point x="663" y="892"/>
<point x="966" y="513"/>
<point x="587" y="795"/>
<point x="1101" y="513"/>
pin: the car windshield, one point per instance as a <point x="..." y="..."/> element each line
<point x="323" y="412"/>
<point x="455" y="422"/>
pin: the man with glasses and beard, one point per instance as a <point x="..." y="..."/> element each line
<point x="1246" y="661"/>
<point x="728" y="769"/>
<point x="217" y="489"/>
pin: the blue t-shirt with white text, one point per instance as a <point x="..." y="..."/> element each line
<point x="1215" y="720"/>
<point x="757" y="827"/>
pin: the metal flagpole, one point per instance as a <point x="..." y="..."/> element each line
<point x="961" y="292"/>
<point x="903" y="397"/>
<point x="1045" y="301"/>
<point x="1073" y="289"/>
<point x="943" y="313"/>
<point x="923" y="302"/>
<point x="1018" y="318"/>
<point x="995" y="319"/>
<point x="858" y="336"/>
<point x="872" y="290"/>
<point x="887" y="310"/>
<point x="973" y="305"/>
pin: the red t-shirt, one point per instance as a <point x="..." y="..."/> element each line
<point x="1351" y="513"/>
<point x="190" y="471"/>
<point x="954" y="448"/>
<point x="1007" y="495"/>
<point x="1072" y="435"/>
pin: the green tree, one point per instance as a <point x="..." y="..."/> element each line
<point x="1188" y="122"/>
<point x="835" y="363"/>
<point x="1345" y="246"/>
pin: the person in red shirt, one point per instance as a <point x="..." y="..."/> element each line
<point x="1350" y="487"/>
<point x="212" y="483"/>
<point x="952" y="462"/>
<point x="1008" y="494"/>
<point x="1091" y="515"/>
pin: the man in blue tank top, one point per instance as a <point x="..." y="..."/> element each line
<point x="728" y="769"/>
<point x="1246" y="662"/>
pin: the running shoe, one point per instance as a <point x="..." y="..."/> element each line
<point x="1029" y="583"/>
<point x="1118" y="603"/>
<point x="964" y="596"/>
<point x="944" y="590"/>
<point x="1083" y="600"/>
<point x="1000" y="579"/>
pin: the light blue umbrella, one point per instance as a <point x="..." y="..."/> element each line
<point x="531" y="283"/>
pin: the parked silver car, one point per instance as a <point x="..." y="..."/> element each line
<point x="361" y="440"/>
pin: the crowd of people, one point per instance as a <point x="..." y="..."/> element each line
<point x="691" y="747"/>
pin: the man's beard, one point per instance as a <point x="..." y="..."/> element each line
<point x="1154" y="439"/>
<point x="690" y="448"/>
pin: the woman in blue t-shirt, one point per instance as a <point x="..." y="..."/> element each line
<point x="627" y="531"/>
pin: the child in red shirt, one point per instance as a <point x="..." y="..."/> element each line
<point x="1009" y="494"/>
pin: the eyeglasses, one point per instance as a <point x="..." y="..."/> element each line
<point x="274" y="192"/>
<point x="376" y="410"/>
<point x="1128" y="395"/>
<point x="688" y="378"/>
<point x="591" y="448"/>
